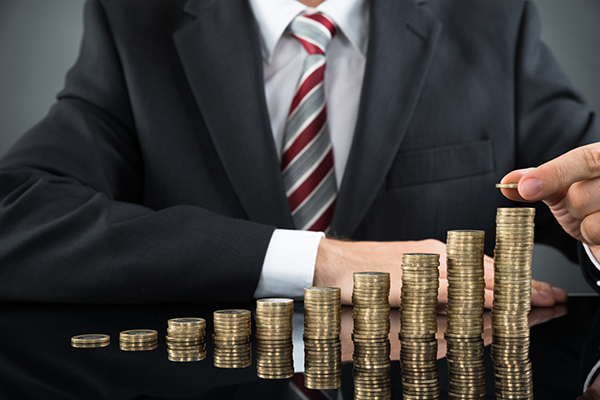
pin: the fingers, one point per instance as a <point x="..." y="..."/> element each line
<point x="545" y="295"/>
<point x="489" y="298"/>
<point x="577" y="165"/>
<point x="540" y="315"/>
<point x="583" y="198"/>
<point x="512" y="177"/>
<point x="582" y="202"/>
<point x="593" y="393"/>
<point x="589" y="395"/>
<point x="488" y="272"/>
<point x="590" y="229"/>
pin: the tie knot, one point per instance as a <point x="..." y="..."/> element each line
<point x="314" y="31"/>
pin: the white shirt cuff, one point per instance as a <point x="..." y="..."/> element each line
<point x="588" y="382"/>
<point x="289" y="264"/>
<point x="592" y="259"/>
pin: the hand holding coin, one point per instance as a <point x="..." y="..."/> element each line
<point x="570" y="186"/>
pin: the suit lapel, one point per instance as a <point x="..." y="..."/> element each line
<point x="220" y="53"/>
<point x="402" y="40"/>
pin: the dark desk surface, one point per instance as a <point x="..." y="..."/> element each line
<point x="38" y="362"/>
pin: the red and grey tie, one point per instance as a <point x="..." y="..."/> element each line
<point x="307" y="157"/>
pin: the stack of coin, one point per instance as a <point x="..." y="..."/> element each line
<point x="185" y="339"/>
<point x="232" y="348"/>
<point x="138" y="340"/>
<point x="418" y="326"/>
<point x="464" y="312"/>
<point x="90" y="340"/>
<point x="371" y="315"/>
<point x="512" y="302"/>
<point x="274" y="341"/>
<point x="322" y="344"/>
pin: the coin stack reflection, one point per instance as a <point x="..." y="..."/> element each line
<point x="138" y="340"/>
<point x="418" y="326"/>
<point x="274" y="341"/>
<point x="231" y="339"/>
<point x="185" y="339"/>
<point x="322" y="344"/>
<point x="464" y="312"/>
<point x="512" y="302"/>
<point x="371" y="314"/>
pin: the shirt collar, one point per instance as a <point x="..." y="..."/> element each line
<point x="273" y="17"/>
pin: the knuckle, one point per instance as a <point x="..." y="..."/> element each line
<point x="577" y="201"/>
<point x="540" y="285"/>
<point x="591" y="156"/>
<point x="590" y="228"/>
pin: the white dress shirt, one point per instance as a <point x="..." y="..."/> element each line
<point x="290" y="260"/>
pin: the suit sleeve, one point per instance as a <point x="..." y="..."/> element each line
<point x="551" y="116"/>
<point x="73" y="227"/>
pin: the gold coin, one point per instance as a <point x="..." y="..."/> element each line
<point x="90" y="340"/>
<point x="185" y="322"/>
<point x="507" y="185"/>
<point x="138" y="335"/>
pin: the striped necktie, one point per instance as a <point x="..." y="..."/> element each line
<point x="307" y="157"/>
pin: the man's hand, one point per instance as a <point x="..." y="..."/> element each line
<point x="593" y="392"/>
<point x="570" y="186"/>
<point x="337" y="260"/>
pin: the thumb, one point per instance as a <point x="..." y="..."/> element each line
<point x="546" y="181"/>
<point x="513" y="177"/>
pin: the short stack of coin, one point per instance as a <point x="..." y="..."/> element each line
<point x="90" y="340"/>
<point x="231" y="338"/>
<point x="464" y="312"/>
<point x="371" y="315"/>
<point x="185" y="339"/>
<point x="322" y="344"/>
<point x="274" y="340"/>
<point x="418" y="326"/>
<point x="512" y="302"/>
<point x="138" y="340"/>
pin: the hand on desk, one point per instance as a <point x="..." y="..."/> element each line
<point x="337" y="260"/>
<point x="570" y="186"/>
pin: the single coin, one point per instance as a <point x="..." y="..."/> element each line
<point x="507" y="185"/>
<point x="138" y="335"/>
<point x="186" y="321"/>
<point x="90" y="339"/>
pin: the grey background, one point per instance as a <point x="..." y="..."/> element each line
<point x="39" y="41"/>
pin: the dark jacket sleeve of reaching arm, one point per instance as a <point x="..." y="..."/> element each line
<point x="589" y="270"/>
<point x="75" y="226"/>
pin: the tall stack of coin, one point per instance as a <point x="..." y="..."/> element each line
<point x="185" y="339"/>
<point x="512" y="302"/>
<point x="418" y="326"/>
<point x="371" y="314"/>
<point x="322" y="344"/>
<point x="138" y="340"/>
<point x="231" y="339"/>
<point x="274" y="341"/>
<point x="464" y="312"/>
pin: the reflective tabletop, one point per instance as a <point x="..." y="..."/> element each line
<point x="37" y="360"/>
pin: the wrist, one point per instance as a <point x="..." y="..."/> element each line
<point x="334" y="266"/>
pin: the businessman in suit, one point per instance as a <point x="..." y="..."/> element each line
<point x="156" y="176"/>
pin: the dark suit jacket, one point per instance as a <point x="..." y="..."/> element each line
<point x="155" y="177"/>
